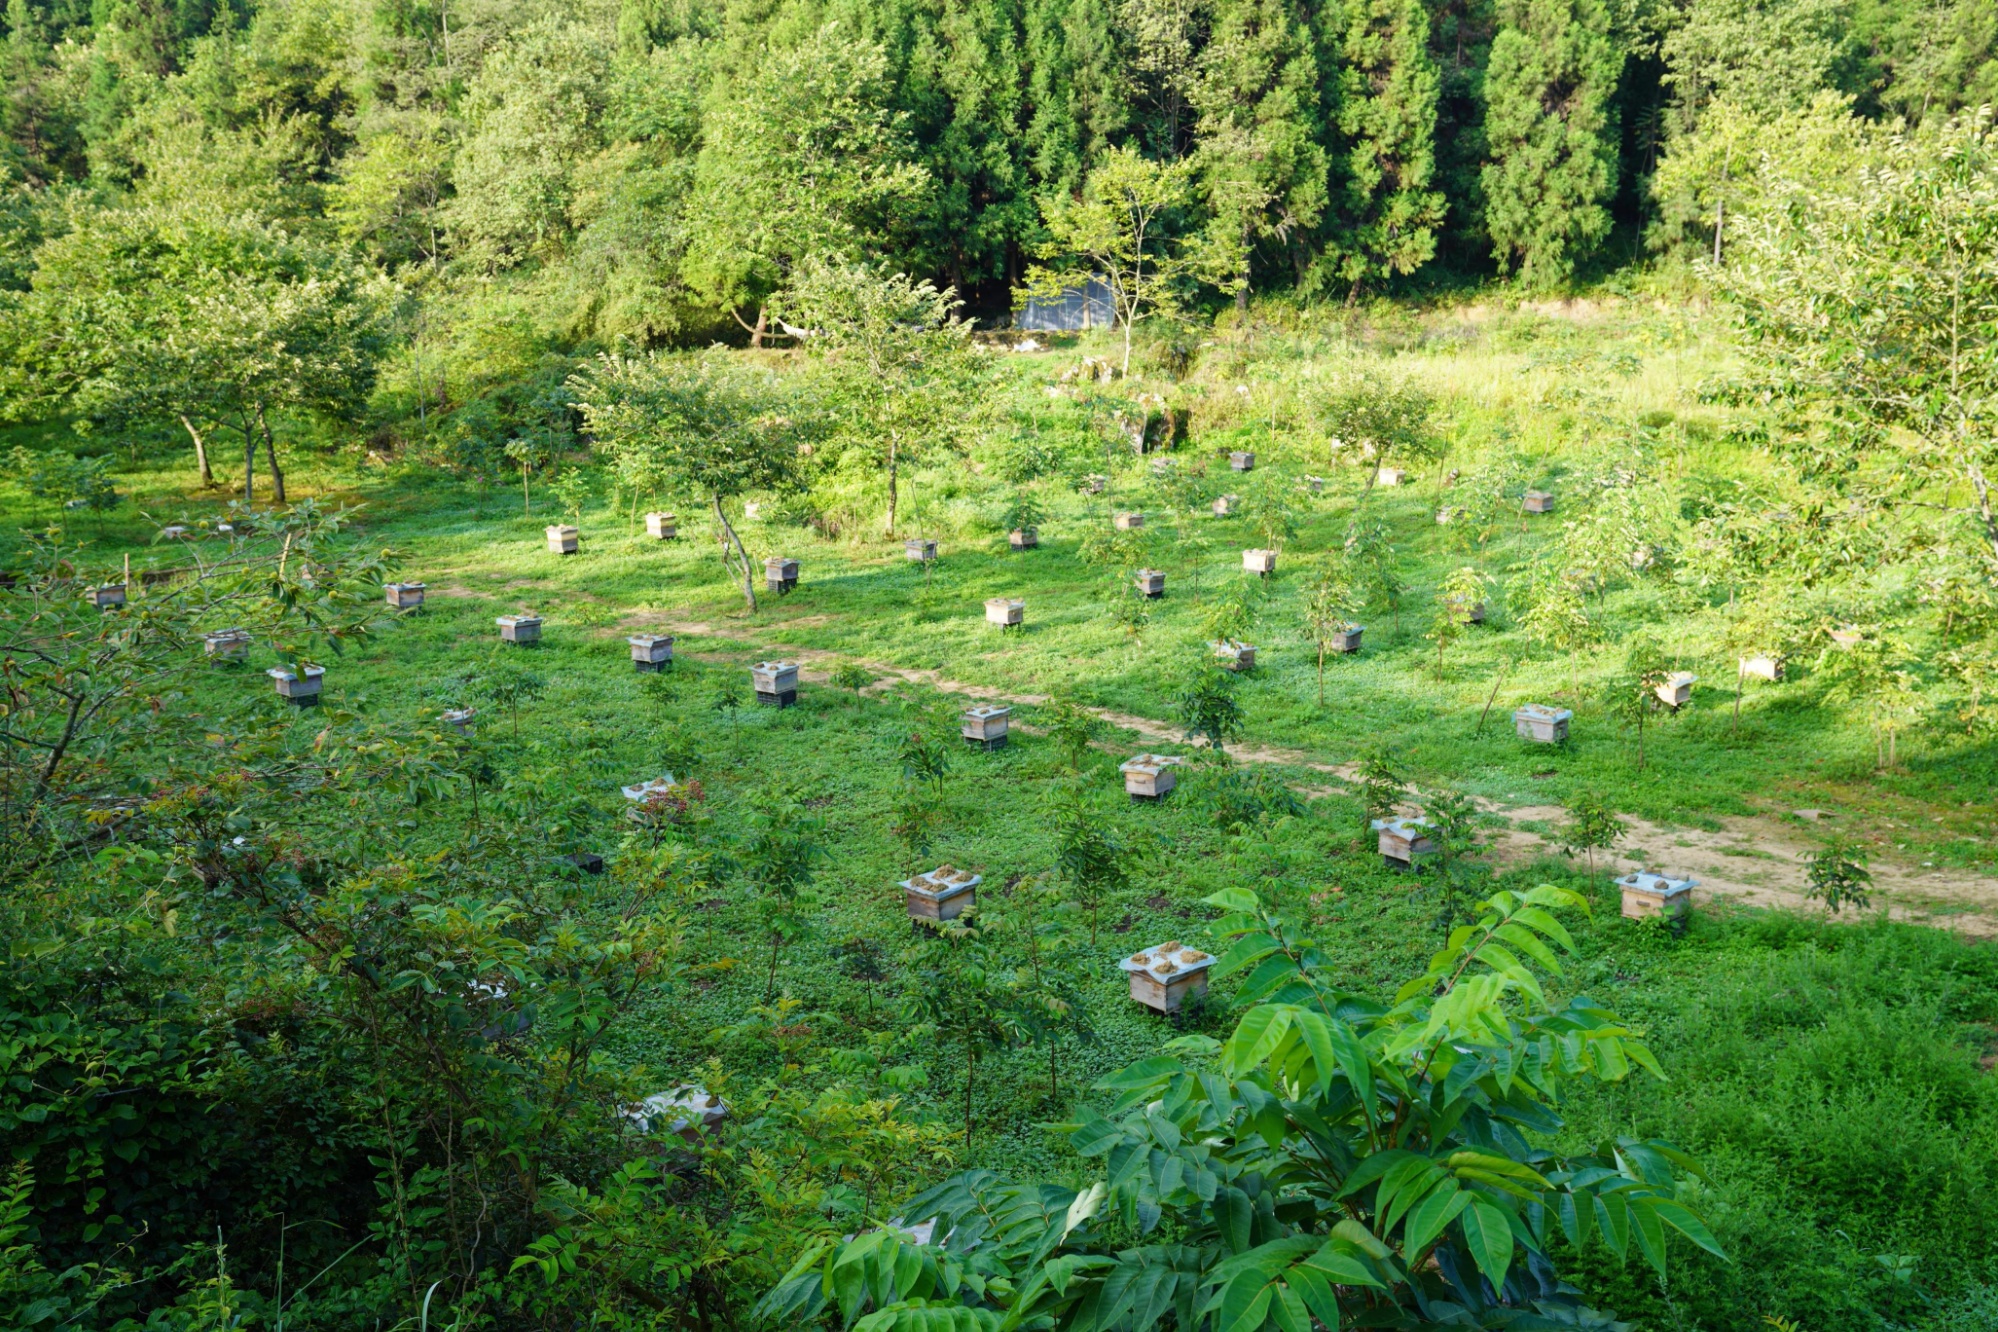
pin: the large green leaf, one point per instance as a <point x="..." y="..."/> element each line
<point x="1437" y="1210"/>
<point x="1488" y="1236"/>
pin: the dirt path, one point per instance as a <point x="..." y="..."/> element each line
<point x="1756" y="860"/>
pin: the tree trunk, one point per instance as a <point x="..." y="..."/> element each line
<point x="200" y="451"/>
<point x="270" y="456"/>
<point x="894" y="476"/>
<point x="249" y="466"/>
<point x="734" y="558"/>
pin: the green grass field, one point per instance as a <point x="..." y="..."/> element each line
<point x="1832" y="1076"/>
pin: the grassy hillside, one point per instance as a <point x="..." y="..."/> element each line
<point x="1832" y="1077"/>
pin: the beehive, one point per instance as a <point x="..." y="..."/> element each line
<point x="1004" y="611"/>
<point x="1235" y="654"/>
<point x="917" y="548"/>
<point x="1093" y="484"/>
<point x="985" y="725"/>
<point x="1646" y="895"/>
<point x="776" y="682"/>
<point x="458" y="719"/>
<point x="1541" y="724"/>
<point x="1241" y="460"/>
<point x="562" y="539"/>
<point x="1024" y="538"/>
<point x="226" y="644"/>
<point x="1164" y="977"/>
<point x="945" y="893"/>
<point x="1347" y="639"/>
<point x="779" y="574"/>
<point x="640" y="792"/>
<point x="1402" y="842"/>
<point x="752" y="511"/>
<point x="1314" y="484"/>
<point x="1391" y="476"/>
<point x="403" y="596"/>
<point x="1847" y="638"/>
<point x="299" y="688"/>
<point x="1676" y="689"/>
<point x="661" y="526"/>
<point x="651" y="652"/>
<point x="1149" y="776"/>
<point x="1225" y="505"/>
<point x="1128" y="522"/>
<point x="1259" y="562"/>
<point x="1150" y="582"/>
<point x="1762" y="666"/>
<point x="520" y="629"/>
<point x="172" y="532"/>
<point x="686" y="1112"/>
<point x="1537" y="501"/>
<point x="108" y="597"/>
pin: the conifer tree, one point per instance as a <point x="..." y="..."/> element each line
<point x="1262" y="169"/>
<point x="1552" y="131"/>
<point x="1387" y="209"/>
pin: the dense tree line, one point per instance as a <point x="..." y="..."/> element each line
<point x="654" y="168"/>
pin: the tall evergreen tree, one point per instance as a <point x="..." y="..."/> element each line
<point x="1262" y="168"/>
<point x="1553" y="135"/>
<point x="1388" y="210"/>
<point x="1460" y="42"/>
<point x="1078" y="98"/>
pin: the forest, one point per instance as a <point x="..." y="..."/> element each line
<point x="601" y="726"/>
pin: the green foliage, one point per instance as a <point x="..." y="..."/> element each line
<point x="1090" y="856"/>
<point x="1208" y="708"/>
<point x="1071" y="728"/>
<point x="1550" y="119"/>
<point x="1593" y="825"/>
<point x="1838" y="876"/>
<point x="850" y="675"/>
<point x="1401" y="1111"/>
<point x="1382" y="787"/>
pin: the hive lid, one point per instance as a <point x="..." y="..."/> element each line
<point x="1148" y="763"/>
<point x="676" y="1110"/>
<point x="518" y="620"/>
<point x="408" y="587"/>
<point x="1405" y="826"/>
<point x="1167" y="960"/>
<point x="645" y="790"/>
<point x="943" y="882"/>
<point x="986" y="711"/>
<point x="1541" y="712"/>
<point x="647" y="640"/>
<point x="1646" y="882"/>
<point x="775" y="666"/>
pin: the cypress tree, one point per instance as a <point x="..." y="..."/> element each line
<point x="1551" y="126"/>
<point x="1262" y="167"/>
<point x="1077" y="95"/>
<point x="1387" y="209"/>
